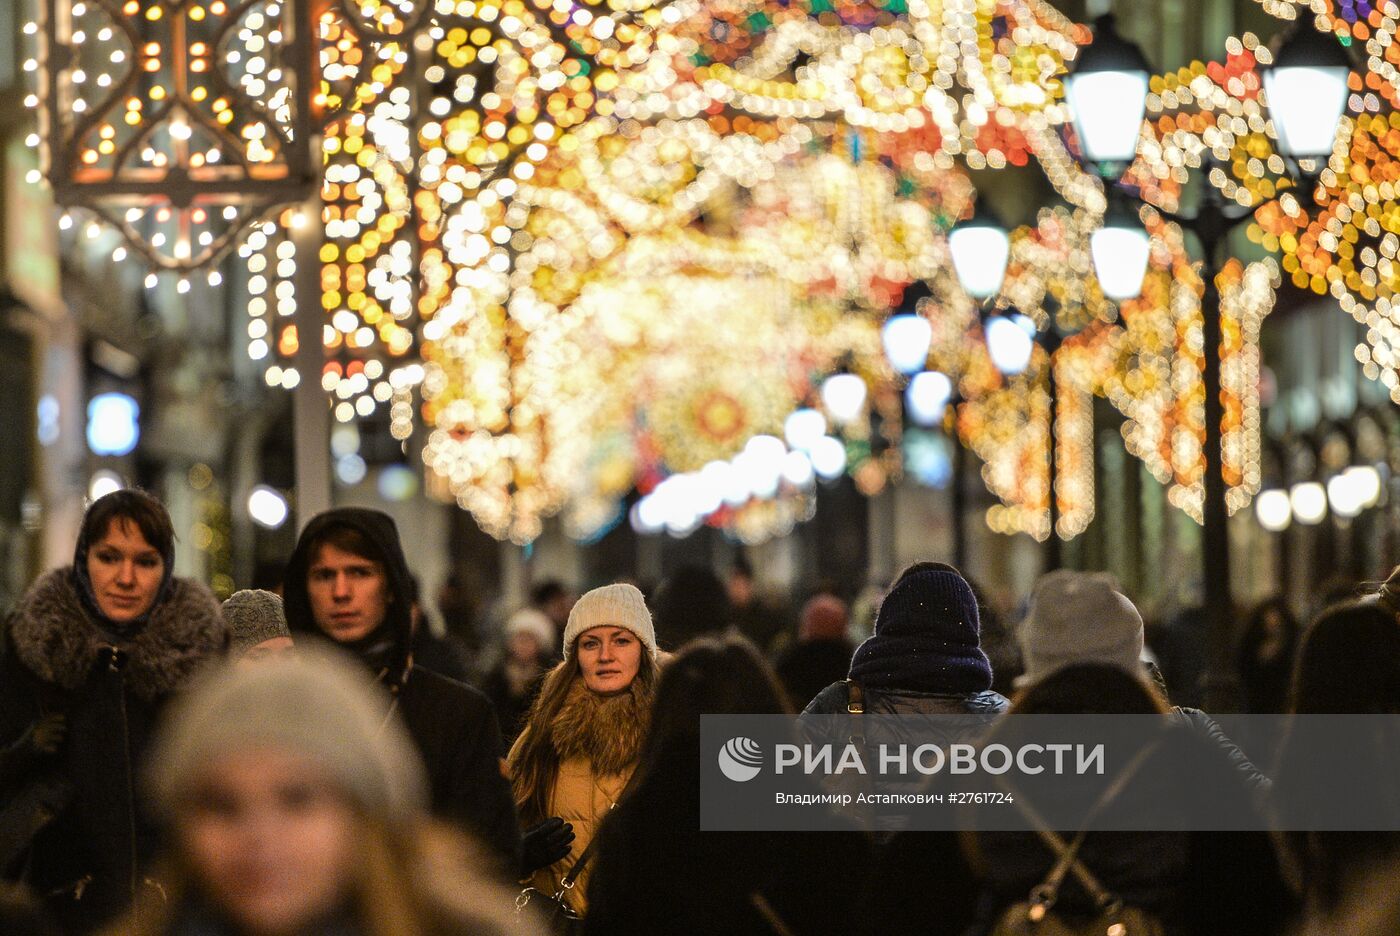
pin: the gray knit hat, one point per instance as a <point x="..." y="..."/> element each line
<point x="313" y="704"/>
<point x="619" y="605"/>
<point x="1079" y="617"/>
<point x="253" y="616"/>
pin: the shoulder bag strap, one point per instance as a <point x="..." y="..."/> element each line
<point x="770" y="916"/>
<point x="571" y="878"/>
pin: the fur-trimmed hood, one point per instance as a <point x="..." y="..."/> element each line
<point x="53" y="637"/>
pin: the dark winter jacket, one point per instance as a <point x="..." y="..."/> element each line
<point x="453" y="725"/>
<point x="88" y="862"/>
<point x="1209" y="729"/>
<point x="837" y="699"/>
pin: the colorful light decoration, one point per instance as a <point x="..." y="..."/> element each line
<point x="146" y="123"/>
<point x="496" y="173"/>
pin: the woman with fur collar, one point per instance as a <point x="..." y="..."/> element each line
<point x="584" y="734"/>
<point x="89" y="658"/>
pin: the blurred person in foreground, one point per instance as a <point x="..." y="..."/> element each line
<point x="658" y="873"/>
<point x="583" y="737"/>
<point x="90" y="658"/>
<point x="1371" y="907"/>
<point x="348" y="581"/>
<point x="304" y="815"/>
<point x="257" y="626"/>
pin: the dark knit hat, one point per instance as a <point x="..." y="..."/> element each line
<point x="253" y="616"/>
<point x="927" y="637"/>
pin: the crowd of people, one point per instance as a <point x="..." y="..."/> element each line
<point x="313" y="762"/>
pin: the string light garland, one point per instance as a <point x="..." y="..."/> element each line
<point x="515" y="194"/>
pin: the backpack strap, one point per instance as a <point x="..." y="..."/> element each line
<point x="1044" y="895"/>
<point x="855" y="698"/>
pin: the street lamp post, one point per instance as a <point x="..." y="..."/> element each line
<point x="1307" y="86"/>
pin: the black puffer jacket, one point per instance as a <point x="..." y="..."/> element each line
<point x="88" y="862"/>
<point x="453" y="725"/>
<point x="921" y="723"/>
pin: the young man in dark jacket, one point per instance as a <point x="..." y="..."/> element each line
<point x="348" y="581"/>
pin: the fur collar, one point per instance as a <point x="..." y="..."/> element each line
<point x="607" y="730"/>
<point x="56" y="641"/>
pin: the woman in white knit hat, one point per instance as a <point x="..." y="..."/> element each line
<point x="583" y="737"/>
<point x="291" y="806"/>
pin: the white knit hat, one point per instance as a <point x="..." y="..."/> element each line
<point x="1079" y="617"/>
<point x="314" y="704"/>
<point x="619" y="605"/>
<point x="534" y="622"/>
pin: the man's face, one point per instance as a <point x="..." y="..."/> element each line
<point x="349" y="593"/>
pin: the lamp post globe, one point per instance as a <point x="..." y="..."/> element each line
<point x="1107" y="94"/>
<point x="1010" y="342"/>
<point x="981" y="248"/>
<point x="1307" y="92"/>
<point x="1120" y="249"/>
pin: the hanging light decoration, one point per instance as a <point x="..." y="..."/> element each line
<point x="1273" y="510"/>
<point x="906" y="338"/>
<point x="176" y="124"/>
<point x="927" y="397"/>
<point x="844" y="395"/>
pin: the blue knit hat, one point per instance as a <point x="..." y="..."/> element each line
<point x="927" y="637"/>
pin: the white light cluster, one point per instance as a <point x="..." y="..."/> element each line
<point x="763" y="471"/>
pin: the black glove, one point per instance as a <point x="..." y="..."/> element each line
<point x="544" y="844"/>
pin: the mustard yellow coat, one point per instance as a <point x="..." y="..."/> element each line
<point x="582" y="800"/>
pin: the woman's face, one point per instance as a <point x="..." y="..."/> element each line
<point x="609" y="658"/>
<point x="270" y="839"/>
<point x="125" y="570"/>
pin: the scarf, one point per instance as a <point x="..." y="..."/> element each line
<point x="606" y="729"/>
